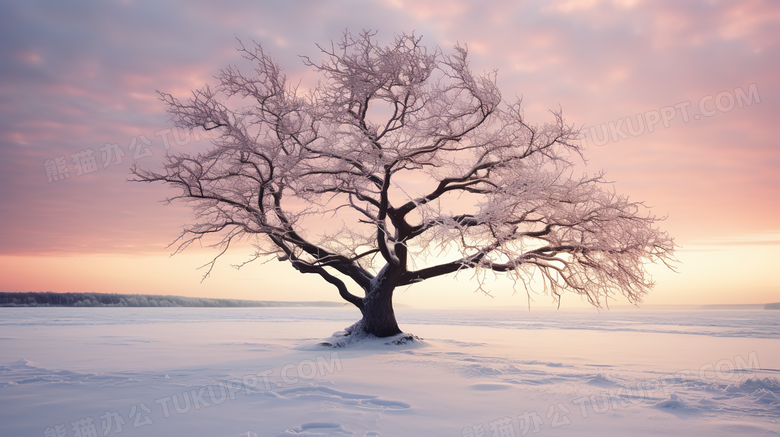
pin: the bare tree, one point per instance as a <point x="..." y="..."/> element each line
<point x="428" y="169"/>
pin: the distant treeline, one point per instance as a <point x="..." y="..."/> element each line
<point x="49" y="299"/>
<point x="772" y="306"/>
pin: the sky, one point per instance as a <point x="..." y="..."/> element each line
<point x="678" y="100"/>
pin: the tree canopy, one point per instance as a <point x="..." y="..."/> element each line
<point x="423" y="165"/>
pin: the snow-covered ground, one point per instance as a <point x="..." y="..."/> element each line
<point x="261" y="372"/>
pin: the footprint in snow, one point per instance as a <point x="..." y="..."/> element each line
<point x="322" y="429"/>
<point x="329" y="394"/>
<point x="316" y="429"/>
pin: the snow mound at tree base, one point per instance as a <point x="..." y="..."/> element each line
<point x="355" y="337"/>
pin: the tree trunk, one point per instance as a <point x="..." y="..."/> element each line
<point x="378" y="315"/>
